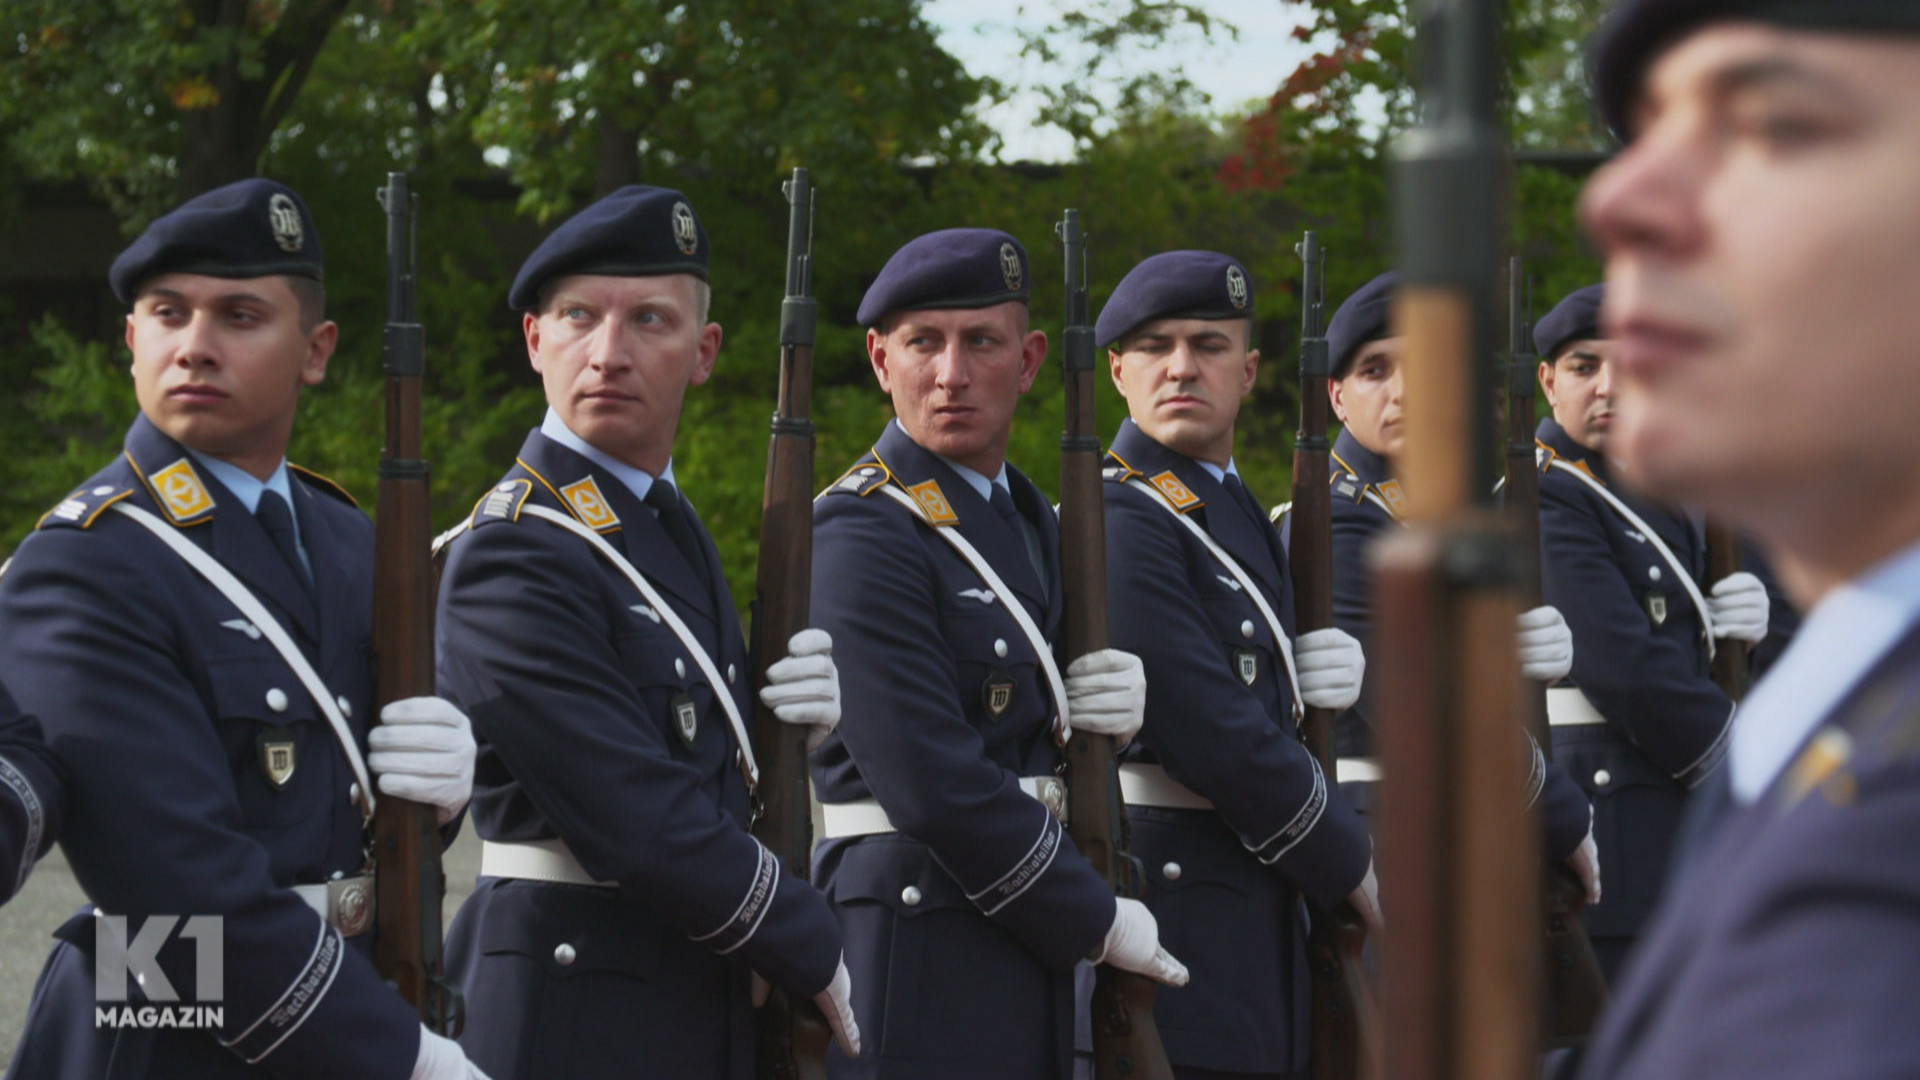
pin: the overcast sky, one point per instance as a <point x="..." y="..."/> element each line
<point x="983" y="34"/>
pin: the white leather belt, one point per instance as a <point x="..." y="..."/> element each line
<point x="1568" y="707"/>
<point x="1149" y="785"/>
<point x="536" y="860"/>
<point x="1356" y="770"/>
<point x="864" y="817"/>
<point x="346" y="903"/>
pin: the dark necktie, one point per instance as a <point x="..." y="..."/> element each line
<point x="666" y="502"/>
<point x="1002" y="501"/>
<point x="1244" y="497"/>
<point x="276" y="517"/>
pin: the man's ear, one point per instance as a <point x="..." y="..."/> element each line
<point x="320" y="345"/>
<point x="530" y="328"/>
<point x="1337" y="393"/>
<point x="1033" y="353"/>
<point x="710" y="337"/>
<point x="877" y="354"/>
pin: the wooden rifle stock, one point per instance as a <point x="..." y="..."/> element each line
<point x="1457" y="861"/>
<point x="1126" y="1043"/>
<point x="792" y="1035"/>
<point x="1346" y="1020"/>
<point x="1575" y="988"/>
<point x="1730" y="654"/>
<point x="409" y="884"/>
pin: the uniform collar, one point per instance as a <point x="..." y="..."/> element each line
<point x="974" y="477"/>
<point x="1370" y="467"/>
<point x="1555" y="438"/>
<point x="638" y="481"/>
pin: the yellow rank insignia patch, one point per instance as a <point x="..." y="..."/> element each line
<point x="585" y="498"/>
<point x="933" y="502"/>
<point x="181" y="493"/>
<point x="1396" y="499"/>
<point x="1822" y="766"/>
<point x="1177" y="493"/>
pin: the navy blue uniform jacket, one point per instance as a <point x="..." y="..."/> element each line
<point x="971" y="974"/>
<point x="1225" y="883"/>
<point x="156" y="694"/>
<point x="1366" y="502"/>
<point x="569" y="677"/>
<point x="1788" y="947"/>
<point x="32" y="795"/>
<point x="1667" y="723"/>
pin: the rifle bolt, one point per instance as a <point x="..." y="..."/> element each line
<point x="1171" y="871"/>
<point x="910" y="896"/>
<point x="564" y="955"/>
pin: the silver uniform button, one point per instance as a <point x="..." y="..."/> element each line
<point x="338" y="875"/>
<point x="564" y="955"/>
<point x="1246" y="628"/>
<point x="353" y="792"/>
<point x="1601" y="778"/>
<point x="731" y="673"/>
<point x="910" y="896"/>
<point x="1653" y="573"/>
<point x="1000" y="647"/>
<point x="277" y="699"/>
<point x="103" y="489"/>
<point x="679" y="667"/>
<point x="1171" y="871"/>
<point x="346" y="707"/>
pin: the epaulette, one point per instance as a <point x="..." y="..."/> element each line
<point x="84" y="507"/>
<point x="1118" y="471"/>
<point x="324" y="485"/>
<point x="864" y="478"/>
<point x="503" y="503"/>
<point x="1348" y="486"/>
<point x="1543" y="456"/>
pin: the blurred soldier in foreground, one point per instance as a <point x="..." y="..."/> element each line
<point x="937" y="569"/>
<point x="1365" y="388"/>
<point x="1760" y="235"/>
<point x="1643" y="722"/>
<point x="191" y="626"/>
<point x="32" y="794"/>
<point x="1231" y="814"/>
<point x="585" y="623"/>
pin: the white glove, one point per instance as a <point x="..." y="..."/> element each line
<point x="1546" y="645"/>
<point x="804" y="688"/>
<point x="1739" y="608"/>
<point x="836" y="1004"/>
<point x="1133" y="944"/>
<point x="422" y="750"/>
<point x="1107" y="694"/>
<point x="1331" y="666"/>
<point x="442" y="1059"/>
<point x="1585" y="861"/>
<point x="1366" y="901"/>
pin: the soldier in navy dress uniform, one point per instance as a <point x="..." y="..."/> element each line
<point x="32" y="794"/>
<point x="585" y="624"/>
<point x="937" y="568"/>
<point x="1365" y="388"/>
<point x="1643" y="721"/>
<point x="1760" y="233"/>
<point x="1230" y="812"/>
<point x="209" y="776"/>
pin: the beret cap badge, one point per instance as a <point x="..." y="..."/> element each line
<point x="685" y="232"/>
<point x="284" y="218"/>
<point x="1236" y="287"/>
<point x="1010" y="266"/>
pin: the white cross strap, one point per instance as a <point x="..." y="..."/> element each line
<point x="672" y="620"/>
<point x="1063" y="726"/>
<point x="256" y="612"/>
<point x="1240" y="574"/>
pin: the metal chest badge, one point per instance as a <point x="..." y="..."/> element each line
<point x="277" y="758"/>
<point x="1657" y="607"/>
<point x="686" y="717"/>
<point x="997" y="694"/>
<point x="1247" y="663"/>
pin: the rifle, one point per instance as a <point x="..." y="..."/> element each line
<point x="1126" y="1043"/>
<point x="1346" y="1019"/>
<point x="409" y="885"/>
<point x="792" y="1035"/>
<point x="1729" y="654"/>
<point x="1576" y="990"/>
<point x="1456" y="856"/>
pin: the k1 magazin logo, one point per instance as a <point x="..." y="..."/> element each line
<point x="129" y="986"/>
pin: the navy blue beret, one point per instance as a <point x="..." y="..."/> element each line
<point x="952" y="268"/>
<point x="1635" y="32"/>
<point x="1577" y="318"/>
<point x="248" y="229"/>
<point x="1363" y="318"/>
<point x="1176" y="285"/>
<point x="637" y="231"/>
